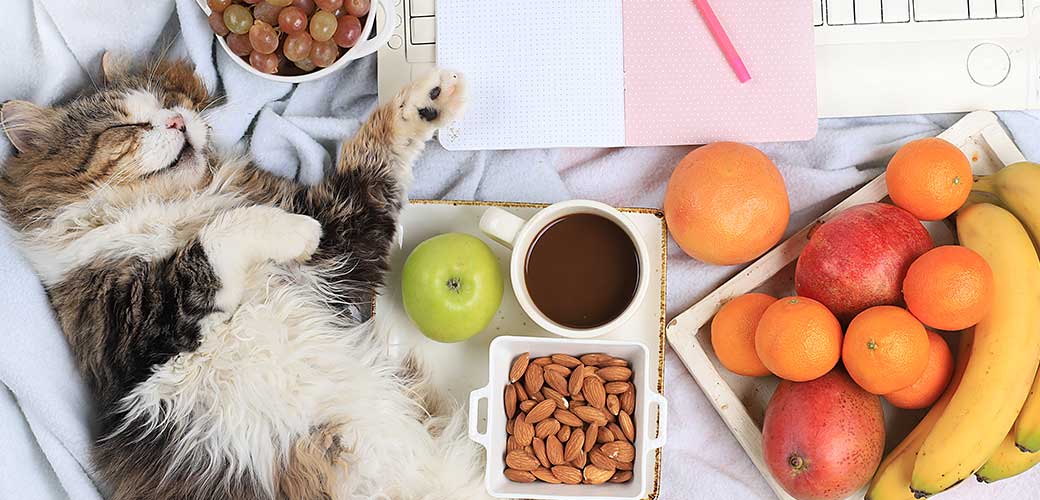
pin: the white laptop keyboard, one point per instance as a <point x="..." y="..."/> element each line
<point x="847" y="12"/>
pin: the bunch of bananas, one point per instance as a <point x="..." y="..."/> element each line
<point x="988" y="420"/>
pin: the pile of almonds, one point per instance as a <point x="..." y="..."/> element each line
<point x="570" y="419"/>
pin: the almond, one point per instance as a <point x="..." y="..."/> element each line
<point x="629" y="428"/>
<point x="556" y="381"/>
<point x="615" y="362"/>
<point x="519" y="476"/>
<point x="533" y="379"/>
<point x="594" y="392"/>
<point x="538" y="397"/>
<point x="605" y="436"/>
<point x="577" y="397"/>
<point x="554" y="450"/>
<point x="539" y="451"/>
<point x="595" y="359"/>
<point x="591" y="434"/>
<point x="628" y="401"/>
<point x="600" y="460"/>
<point x="541" y="411"/>
<point x="509" y="427"/>
<point x="624" y="465"/>
<point x="581" y="460"/>
<point x="542" y="361"/>
<point x="596" y="475"/>
<point x="590" y="415"/>
<point x="546" y="428"/>
<point x="546" y="475"/>
<point x="550" y="393"/>
<point x="521" y="394"/>
<point x="616" y="431"/>
<point x="619" y="451"/>
<point x="565" y="360"/>
<point x="521" y="460"/>
<point x="523" y="431"/>
<point x="519" y="367"/>
<point x="562" y="370"/>
<point x="577" y="380"/>
<point x="621" y="476"/>
<point x="564" y="434"/>
<point x="525" y="406"/>
<point x="574" y="446"/>
<point x="511" y="444"/>
<point x="567" y="474"/>
<point x="616" y="387"/>
<point x="509" y="399"/>
<point x="614" y="373"/>
<point x="567" y="418"/>
<point x="613" y="404"/>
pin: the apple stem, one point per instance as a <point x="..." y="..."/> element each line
<point x="454" y="285"/>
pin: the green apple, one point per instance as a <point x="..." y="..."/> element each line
<point x="451" y="286"/>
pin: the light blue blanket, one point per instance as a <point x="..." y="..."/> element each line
<point x="53" y="48"/>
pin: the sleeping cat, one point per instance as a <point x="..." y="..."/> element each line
<point x="209" y="304"/>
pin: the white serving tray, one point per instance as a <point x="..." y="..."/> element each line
<point x="741" y="401"/>
<point x="463" y="367"/>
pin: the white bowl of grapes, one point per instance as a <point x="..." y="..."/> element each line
<point x="297" y="40"/>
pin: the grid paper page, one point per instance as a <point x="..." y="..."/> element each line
<point x="540" y="73"/>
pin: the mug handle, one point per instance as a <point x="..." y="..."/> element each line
<point x="474" y="417"/>
<point x="386" y="30"/>
<point x="501" y="226"/>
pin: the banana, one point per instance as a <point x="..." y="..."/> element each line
<point x="1008" y="461"/>
<point x="892" y="480"/>
<point x="1003" y="360"/>
<point x="1018" y="188"/>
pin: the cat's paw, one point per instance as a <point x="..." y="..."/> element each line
<point x="433" y="101"/>
<point x="303" y="234"/>
<point x="260" y="233"/>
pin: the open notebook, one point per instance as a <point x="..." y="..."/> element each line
<point x="552" y="73"/>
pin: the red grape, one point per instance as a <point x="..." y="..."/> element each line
<point x="357" y="8"/>
<point x="281" y="3"/>
<point x="218" y="5"/>
<point x="238" y="19"/>
<point x="323" y="26"/>
<point x="266" y="12"/>
<point x="323" y="54"/>
<point x="297" y="46"/>
<point x="348" y="30"/>
<point x="292" y="20"/>
<point x="253" y="1"/>
<point x="239" y="44"/>
<point x="328" y="5"/>
<point x="263" y="38"/>
<point x="307" y="6"/>
<point x="265" y="63"/>
<point x="216" y="23"/>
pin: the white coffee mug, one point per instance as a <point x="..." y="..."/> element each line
<point x="518" y="234"/>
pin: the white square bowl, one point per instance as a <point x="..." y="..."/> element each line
<point x="503" y="351"/>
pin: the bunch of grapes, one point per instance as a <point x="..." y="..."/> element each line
<point x="288" y="36"/>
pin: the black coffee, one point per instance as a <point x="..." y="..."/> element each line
<point x="582" y="271"/>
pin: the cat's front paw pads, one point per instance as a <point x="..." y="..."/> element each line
<point x="303" y="236"/>
<point x="434" y="100"/>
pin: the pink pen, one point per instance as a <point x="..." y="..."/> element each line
<point x="723" y="41"/>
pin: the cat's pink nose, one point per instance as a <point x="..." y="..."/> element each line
<point x="176" y="121"/>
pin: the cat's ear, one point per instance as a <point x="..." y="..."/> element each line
<point x="113" y="67"/>
<point x="24" y="123"/>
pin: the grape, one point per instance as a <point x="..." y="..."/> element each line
<point x="348" y="30"/>
<point x="266" y="12"/>
<point x="328" y="5"/>
<point x="263" y="38"/>
<point x="323" y="26"/>
<point x="253" y="1"/>
<point x="307" y="6"/>
<point x="216" y="23"/>
<point x="323" y="54"/>
<point x="239" y="44"/>
<point x="305" y="65"/>
<point x="218" y="5"/>
<point x="237" y="19"/>
<point x="297" y="46"/>
<point x="357" y="8"/>
<point x="292" y="20"/>
<point x="265" y="63"/>
<point x="280" y="3"/>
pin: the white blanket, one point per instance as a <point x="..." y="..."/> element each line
<point x="53" y="48"/>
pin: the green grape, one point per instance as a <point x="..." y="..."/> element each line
<point x="238" y="19"/>
<point x="292" y="20"/>
<point x="218" y="5"/>
<point x="297" y="46"/>
<point x="305" y="65"/>
<point x="239" y="44"/>
<point x="266" y="12"/>
<point x="280" y="3"/>
<point x="323" y="26"/>
<point x="323" y="54"/>
<point x="265" y="63"/>
<point x="357" y="8"/>
<point x="216" y="23"/>
<point x="263" y="38"/>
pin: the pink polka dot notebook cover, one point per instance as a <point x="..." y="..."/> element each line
<point x="679" y="88"/>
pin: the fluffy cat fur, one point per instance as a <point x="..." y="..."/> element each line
<point x="209" y="304"/>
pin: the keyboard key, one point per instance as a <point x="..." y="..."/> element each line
<point x="868" y="11"/>
<point x="1010" y="8"/>
<point x="940" y="10"/>
<point x="419" y="8"/>
<point x="982" y="9"/>
<point x="840" y="12"/>
<point x="817" y="13"/>
<point x="895" y="11"/>
<point x="424" y="30"/>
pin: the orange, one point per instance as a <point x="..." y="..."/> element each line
<point x="931" y="384"/>
<point x="733" y="333"/>
<point x="798" y="339"/>
<point x="726" y="204"/>
<point x="885" y="349"/>
<point x="949" y="288"/>
<point x="929" y="178"/>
